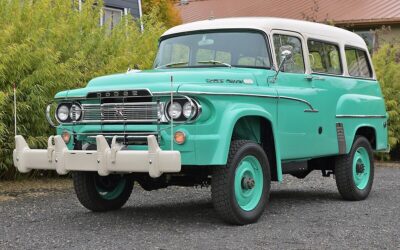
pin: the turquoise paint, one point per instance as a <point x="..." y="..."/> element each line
<point x="111" y="195"/>
<point x="361" y="178"/>
<point x="295" y="131"/>
<point x="248" y="128"/>
<point x="331" y="96"/>
<point x="248" y="198"/>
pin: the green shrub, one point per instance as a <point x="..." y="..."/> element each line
<point x="387" y="67"/>
<point x="47" y="46"/>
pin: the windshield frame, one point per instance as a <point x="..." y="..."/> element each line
<point x="219" y="30"/>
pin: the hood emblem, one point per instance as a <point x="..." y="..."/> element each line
<point x="248" y="81"/>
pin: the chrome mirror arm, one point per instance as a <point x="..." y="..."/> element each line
<point x="286" y="54"/>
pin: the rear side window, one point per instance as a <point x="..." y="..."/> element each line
<point x="357" y="63"/>
<point x="324" y="57"/>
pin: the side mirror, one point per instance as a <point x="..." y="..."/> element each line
<point x="286" y="54"/>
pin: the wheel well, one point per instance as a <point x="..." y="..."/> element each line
<point x="369" y="133"/>
<point x="258" y="129"/>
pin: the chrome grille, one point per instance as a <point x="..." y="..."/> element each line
<point x="121" y="112"/>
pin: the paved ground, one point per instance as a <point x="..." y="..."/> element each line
<point x="302" y="214"/>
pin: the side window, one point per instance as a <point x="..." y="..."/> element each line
<point x="296" y="63"/>
<point x="357" y="63"/>
<point x="324" y="57"/>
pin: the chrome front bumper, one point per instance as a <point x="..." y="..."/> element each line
<point x="104" y="160"/>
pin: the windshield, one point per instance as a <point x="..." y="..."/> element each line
<point x="222" y="49"/>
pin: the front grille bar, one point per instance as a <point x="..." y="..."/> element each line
<point x="142" y="112"/>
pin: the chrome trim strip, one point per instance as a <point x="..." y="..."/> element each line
<point x="311" y="111"/>
<point x="360" y="116"/>
<point x="163" y="93"/>
<point x="251" y="95"/>
<point x="117" y="121"/>
<point x="119" y="104"/>
<point x="118" y="133"/>
<point x="297" y="100"/>
<point x="215" y="93"/>
<point x="48" y="116"/>
<point x="122" y="136"/>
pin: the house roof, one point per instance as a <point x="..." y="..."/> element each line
<point x="266" y="24"/>
<point x="341" y="12"/>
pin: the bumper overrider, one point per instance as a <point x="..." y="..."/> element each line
<point x="105" y="160"/>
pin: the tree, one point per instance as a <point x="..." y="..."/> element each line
<point x="47" y="46"/>
<point x="387" y="67"/>
<point x="167" y="13"/>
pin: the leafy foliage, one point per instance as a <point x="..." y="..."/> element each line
<point x="47" y="46"/>
<point x="387" y="67"/>
<point x="168" y="14"/>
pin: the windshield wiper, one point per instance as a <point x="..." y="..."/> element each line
<point x="171" y="64"/>
<point x="215" y="62"/>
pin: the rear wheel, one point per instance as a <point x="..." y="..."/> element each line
<point x="102" y="193"/>
<point x="240" y="190"/>
<point x="355" y="171"/>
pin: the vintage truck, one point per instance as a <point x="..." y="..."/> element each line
<point x="235" y="103"/>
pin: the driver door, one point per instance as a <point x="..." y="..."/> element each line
<point x="299" y="124"/>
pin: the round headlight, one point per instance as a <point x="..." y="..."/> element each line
<point x="187" y="110"/>
<point x="76" y="112"/>
<point x="175" y="110"/>
<point x="63" y="112"/>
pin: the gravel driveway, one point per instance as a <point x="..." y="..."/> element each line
<point x="301" y="214"/>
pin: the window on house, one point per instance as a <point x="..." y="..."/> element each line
<point x="111" y="17"/>
<point x="357" y="63"/>
<point x="369" y="38"/>
<point x="296" y="63"/>
<point x="324" y="57"/>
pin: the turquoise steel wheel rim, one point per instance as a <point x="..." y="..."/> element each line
<point x="249" y="183"/>
<point x="114" y="192"/>
<point x="361" y="168"/>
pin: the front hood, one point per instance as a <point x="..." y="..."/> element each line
<point x="160" y="80"/>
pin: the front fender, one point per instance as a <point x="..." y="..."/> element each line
<point x="231" y="116"/>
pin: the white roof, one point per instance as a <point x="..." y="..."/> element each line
<point x="266" y="24"/>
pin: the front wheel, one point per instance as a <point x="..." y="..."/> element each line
<point x="102" y="193"/>
<point x="355" y="171"/>
<point x="240" y="190"/>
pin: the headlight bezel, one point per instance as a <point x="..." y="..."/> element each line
<point x="70" y="114"/>
<point x="183" y="100"/>
<point x="75" y="107"/>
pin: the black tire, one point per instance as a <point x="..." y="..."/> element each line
<point x="345" y="180"/>
<point x="223" y="181"/>
<point x="87" y="187"/>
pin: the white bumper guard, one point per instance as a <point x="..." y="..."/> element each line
<point x="104" y="160"/>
